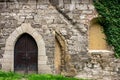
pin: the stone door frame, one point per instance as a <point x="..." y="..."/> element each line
<point x="8" y="56"/>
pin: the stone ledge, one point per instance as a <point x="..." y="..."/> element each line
<point x="103" y="53"/>
<point x="91" y="51"/>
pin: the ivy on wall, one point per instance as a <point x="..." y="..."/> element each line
<point x="109" y="18"/>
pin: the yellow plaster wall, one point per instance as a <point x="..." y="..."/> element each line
<point x="57" y="60"/>
<point x="97" y="38"/>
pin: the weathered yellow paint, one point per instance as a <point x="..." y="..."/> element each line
<point x="97" y="38"/>
<point x="57" y="56"/>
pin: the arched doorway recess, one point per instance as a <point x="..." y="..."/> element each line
<point x="25" y="54"/>
<point x="8" y="57"/>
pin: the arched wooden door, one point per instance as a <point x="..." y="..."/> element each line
<point x="26" y="55"/>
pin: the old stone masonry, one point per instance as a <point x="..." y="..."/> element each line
<point x="56" y="37"/>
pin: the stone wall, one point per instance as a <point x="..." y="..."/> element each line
<point x="102" y="65"/>
<point x="45" y="18"/>
<point x="70" y="17"/>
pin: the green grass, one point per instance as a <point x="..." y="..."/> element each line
<point x="10" y="76"/>
<point x="16" y="76"/>
<point x="50" y="77"/>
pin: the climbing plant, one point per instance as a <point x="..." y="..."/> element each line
<point x="109" y="18"/>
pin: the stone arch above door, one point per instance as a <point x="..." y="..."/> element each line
<point x="8" y="57"/>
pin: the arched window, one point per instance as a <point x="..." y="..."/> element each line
<point x="96" y="36"/>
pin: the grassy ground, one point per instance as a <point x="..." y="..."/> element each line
<point x="15" y="76"/>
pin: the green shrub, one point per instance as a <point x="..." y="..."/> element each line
<point x="109" y="11"/>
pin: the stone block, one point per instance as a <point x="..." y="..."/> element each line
<point x="76" y="1"/>
<point x="41" y="52"/>
<point x="37" y="19"/>
<point x="49" y="21"/>
<point x="63" y="31"/>
<point x="1" y="51"/>
<point x="44" y="67"/>
<point x="43" y="2"/>
<point x="82" y="7"/>
<point x="40" y="42"/>
<point x="58" y="21"/>
<point x="67" y="6"/>
<point x="76" y="16"/>
<point x="42" y="7"/>
<point x="67" y="1"/>
<point x="36" y="35"/>
<point x="107" y="77"/>
<point x="42" y="62"/>
<point x="2" y="45"/>
<point x="6" y="67"/>
<point x="8" y="56"/>
<point x="42" y="58"/>
<point x="9" y="48"/>
<point x="25" y="27"/>
<point x="19" y="30"/>
<point x="2" y="40"/>
<point x="6" y="60"/>
<point x="85" y="1"/>
<point x="1" y="56"/>
<point x="82" y="16"/>
<point x="72" y="7"/>
<point x="50" y="54"/>
<point x="20" y="19"/>
<point x="91" y="7"/>
<point x="29" y="17"/>
<point x="44" y="71"/>
<point x="87" y="12"/>
<point x="10" y="41"/>
<point x="82" y="74"/>
<point x="61" y="3"/>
